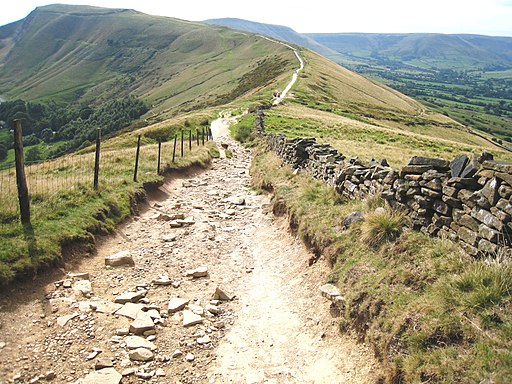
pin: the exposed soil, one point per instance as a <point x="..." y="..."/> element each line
<point x="278" y="329"/>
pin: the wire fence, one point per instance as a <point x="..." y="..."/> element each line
<point x="51" y="181"/>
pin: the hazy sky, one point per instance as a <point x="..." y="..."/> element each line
<point x="489" y="17"/>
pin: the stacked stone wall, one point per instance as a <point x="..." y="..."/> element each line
<point x="467" y="199"/>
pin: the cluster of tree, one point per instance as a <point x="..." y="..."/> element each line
<point x="3" y="150"/>
<point x="74" y="126"/>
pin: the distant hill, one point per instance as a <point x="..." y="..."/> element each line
<point x="69" y="53"/>
<point x="423" y="50"/>
<point x="279" y="32"/>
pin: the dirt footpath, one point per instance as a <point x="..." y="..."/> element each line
<point x="157" y="318"/>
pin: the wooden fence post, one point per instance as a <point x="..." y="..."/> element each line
<point x="97" y="160"/>
<point x="190" y="140"/>
<point x="174" y="148"/>
<point x="136" y="161"/>
<point x="202" y="136"/>
<point x="197" y="136"/>
<point x="159" y="154"/>
<point x="182" y="137"/>
<point x="21" y="179"/>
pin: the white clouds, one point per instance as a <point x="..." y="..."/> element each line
<point x="444" y="16"/>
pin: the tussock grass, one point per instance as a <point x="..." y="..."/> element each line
<point x="430" y="313"/>
<point x="382" y="226"/>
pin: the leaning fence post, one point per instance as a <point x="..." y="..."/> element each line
<point x="182" y="137"/>
<point x="159" y="153"/>
<point x="174" y="148"/>
<point x="21" y="179"/>
<point x="97" y="160"/>
<point x="136" y="160"/>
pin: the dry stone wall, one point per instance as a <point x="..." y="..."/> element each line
<point x="467" y="199"/>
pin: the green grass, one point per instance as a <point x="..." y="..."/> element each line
<point x="430" y="313"/>
<point x="243" y="131"/>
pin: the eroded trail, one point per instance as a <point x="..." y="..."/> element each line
<point x="278" y="329"/>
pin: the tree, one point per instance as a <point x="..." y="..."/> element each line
<point x="33" y="154"/>
<point x="3" y="151"/>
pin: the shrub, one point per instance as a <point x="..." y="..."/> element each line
<point x="381" y="227"/>
<point x="244" y="133"/>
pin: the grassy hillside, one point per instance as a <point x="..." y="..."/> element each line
<point x="68" y="53"/>
<point x="369" y="120"/>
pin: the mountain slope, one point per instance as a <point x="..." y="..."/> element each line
<point x="68" y="53"/>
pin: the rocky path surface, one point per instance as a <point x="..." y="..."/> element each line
<point x="203" y="287"/>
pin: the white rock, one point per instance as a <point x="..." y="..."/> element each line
<point x="204" y="340"/>
<point x="176" y="304"/>
<point x="93" y="354"/>
<point x="122" y="331"/>
<point x="160" y="372"/>
<point x="213" y="309"/>
<point x="236" y="200"/>
<point x="103" y="376"/>
<point x="198" y="272"/>
<point x="197" y="309"/>
<point x="141" y="354"/>
<point x="130" y="297"/>
<point x="120" y="259"/>
<point x="79" y="276"/>
<point x="83" y="287"/>
<point x="154" y="314"/>
<point x="190" y="318"/>
<point x="186" y="221"/>
<point x="105" y="306"/>
<point x="130" y="310"/>
<point x="142" y="323"/>
<point x="134" y="342"/>
<point x="190" y="357"/>
<point x="162" y="280"/>
<point x="144" y="375"/>
<point x="175" y="224"/>
<point x="177" y="353"/>
<point x="331" y="292"/>
<point x="168" y="238"/>
<point x="129" y="371"/>
<point x="84" y="306"/>
<point x="63" y="320"/>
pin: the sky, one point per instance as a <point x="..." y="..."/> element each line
<point x="487" y="17"/>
